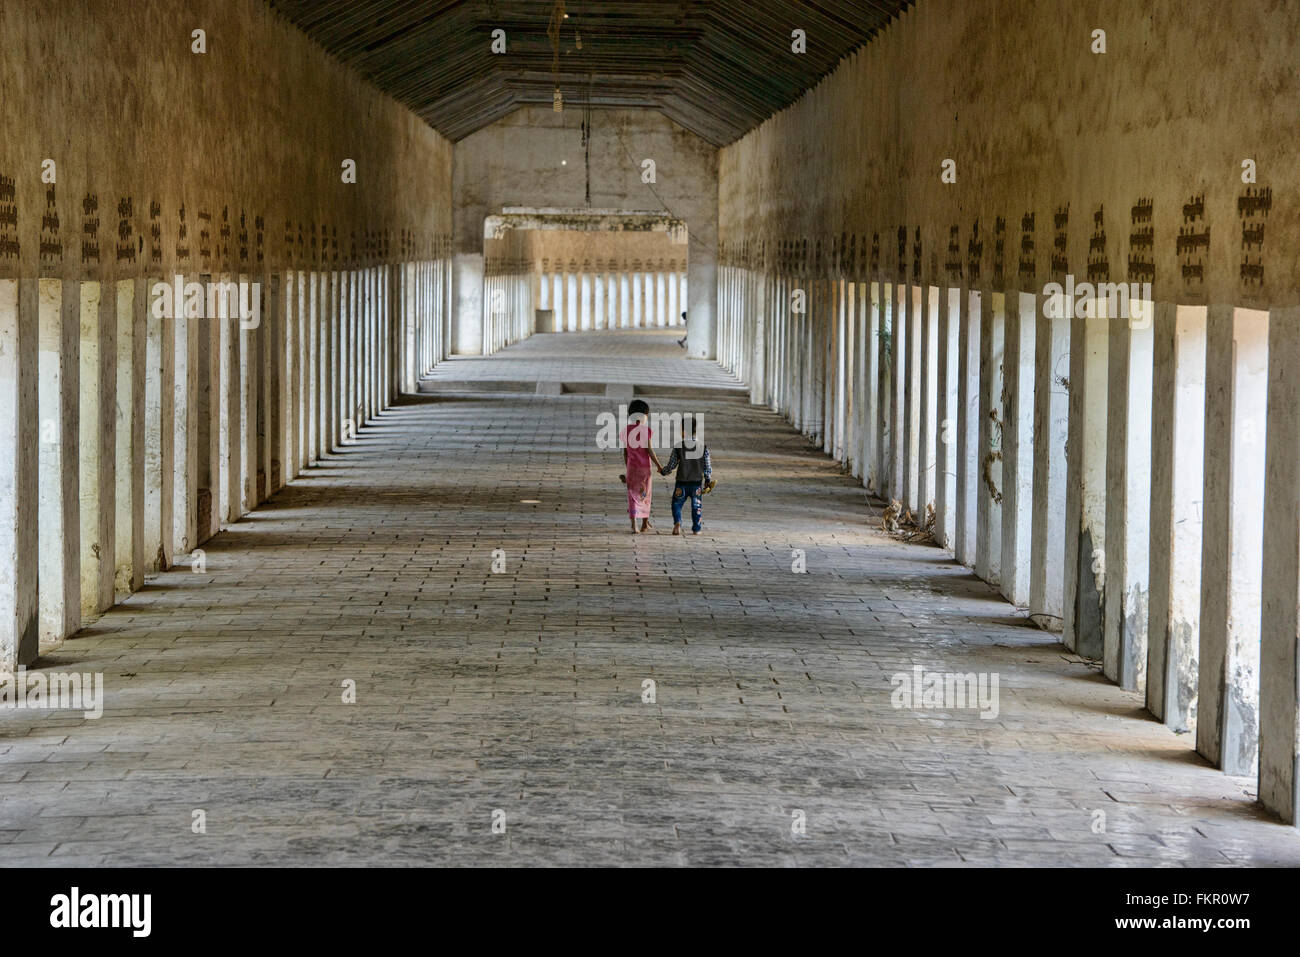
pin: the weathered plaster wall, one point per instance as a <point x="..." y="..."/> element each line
<point x="535" y="158"/>
<point x="613" y="251"/>
<point x="1039" y="125"/>
<point x="253" y="131"/>
<point x="128" y="156"/>
<point x="1169" y="157"/>
<point x="607" y="279"/>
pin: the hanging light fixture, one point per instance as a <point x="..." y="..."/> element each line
<point x="558" y="16"/>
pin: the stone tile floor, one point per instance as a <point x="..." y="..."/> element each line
<point x="522" y="692"/>
<point x="640" y="356"/>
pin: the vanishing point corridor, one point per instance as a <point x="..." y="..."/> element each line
<point x="766" y="440"/>
<point x="522" y="694"/>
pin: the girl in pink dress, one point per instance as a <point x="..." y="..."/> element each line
<point x="638" y="454"/>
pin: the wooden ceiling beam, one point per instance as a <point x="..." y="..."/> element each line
<point x="716" y="67"/>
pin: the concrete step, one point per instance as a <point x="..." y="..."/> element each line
<point x="614" y="390"/>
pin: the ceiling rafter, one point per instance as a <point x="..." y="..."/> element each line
<point x="717" y="68"/>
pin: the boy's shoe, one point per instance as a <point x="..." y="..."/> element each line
<point x="677" y="529"/>
<point x="695" y="531"/>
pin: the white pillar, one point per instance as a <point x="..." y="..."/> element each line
<point x="231" y="428"/>
<point x="988" y="546"/>
<point x="246" y="385"/>
<point x="661" y="311"/>
<point x="98" y="447"/>
<point x="414" y="318"/>
<point x="1017" y="447"/>
<point x="929" y="381"/>
<point x="212" y="462"/>
<point x="185" y="429"/>
<point x="968" y="425"/>
<point x="1236" y="382"/>
<point x="571" y="302"/>
<point x="1051" y="427"/>
<point x="1177" y="457"/>
<point x="1085" y="501"/>
<point x="916" y="320"/>
<point x="19" y="472"/>
<point x="128" y="523"/>
<point x="266" y="385"/>
<point x="673" y="309"/>
<point x="945" y="494"/>
<point x="289" y="293"/>
<point x="898" y="403"/>
<point x="882" y="312"/>
<point x="1128" y="496"/>
<point x="331" y="387"/>
<point x="59" y="551"/>
<point x="1279" y="690"/>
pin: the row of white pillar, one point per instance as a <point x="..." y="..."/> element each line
<point x="508" y="310"/>
<point x="1106" y="473"/>
<point x="127" y="436"/>
<point x="613" y="300"/>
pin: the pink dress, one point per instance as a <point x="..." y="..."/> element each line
<point x="637" y="439"/>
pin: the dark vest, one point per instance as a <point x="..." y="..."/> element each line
<point x="690" y="469"/>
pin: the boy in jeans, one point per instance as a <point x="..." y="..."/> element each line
<point x="694" y="471"/>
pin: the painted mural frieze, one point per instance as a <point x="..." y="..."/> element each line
<point x="1060" y="262"/>
<point x="10" y="248"/>
<point x="1028" y="269"/>
<point x="90" y="229"/>
<point x="1253" y="207"/>
<point x="50" y="251"/>
<point x="1193" y="243"/>
<point x="1141" y="242"/>
<point x="1098" y="260"/>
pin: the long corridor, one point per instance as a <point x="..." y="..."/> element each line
<point x="508" y="716"/>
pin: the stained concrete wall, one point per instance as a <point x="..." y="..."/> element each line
<point x="206" y="139"/>
<point x="247" y="139"/>
<point x="535" y="158"/>
<point x="988" y="150"/>
<point x="607" y="279"/>
<point x="1045" y="135"/>
<point x="551" y="249"/>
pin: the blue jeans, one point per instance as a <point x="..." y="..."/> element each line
<point x="680" y="491"/>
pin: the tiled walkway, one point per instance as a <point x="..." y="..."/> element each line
<point x="641" y="357"/>
<point x="522" y="692"/>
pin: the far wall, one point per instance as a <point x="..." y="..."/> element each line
<point x="535" y="158"/>
<point x="608" y="279"/>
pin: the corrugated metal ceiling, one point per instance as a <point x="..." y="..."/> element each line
<point x="716" y="67"/>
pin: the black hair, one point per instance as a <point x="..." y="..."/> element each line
<point x="638" y="405"/>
